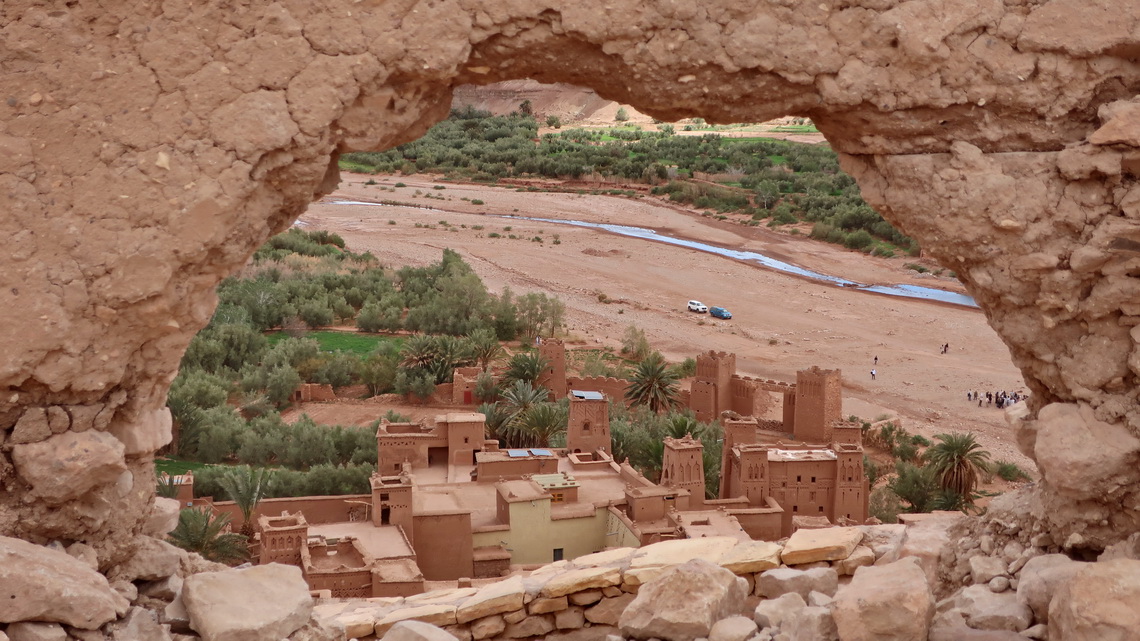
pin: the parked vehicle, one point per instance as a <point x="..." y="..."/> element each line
<point x="697" y="306"/>
<point x="720" y="312"/>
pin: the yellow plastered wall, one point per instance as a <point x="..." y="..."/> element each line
<point x="533" y="536"/>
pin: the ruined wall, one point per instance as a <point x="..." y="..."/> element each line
<point x="149" y="148"/>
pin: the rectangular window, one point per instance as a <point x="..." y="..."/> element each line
<point x="799" y="479"/>
<point x="795" y="508"/>
<point x="557" y="497"/>
<point x="383" y="496"/>
<point x="813" y="479"/>
<point x="557" y="554"/>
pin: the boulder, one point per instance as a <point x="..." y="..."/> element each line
<point x="435" y="614"/>
<point x="1081" y="457"/>
<point x="951" y="626"/>
<point x="826" y="544"/>
<point x="891" y="602"/>
<point x="860" y="557"/>
<point x="42" y="584"/>
<point x="749" y="557"/>
<point x="494" y="598"/>
<point x="152" y="560"/>
<point x="884" y="540"/>
<point x="771" y="613"/>
<point x="33" y="631"/>
<point x="926" y="536"/>
<point x="984" y="610"/>
<point x="773" y="583"/>
<point x="69" y="465"/>
<point x="684" y="603"/>
<point x="570" y="618"/>
<point x="546" y="606"/>
<point x="260" y="603"/>
<point x="615" y="557"/>
<point x="811" y="624"/>
<point x="139" y="624"/>
<point x="535" y="626"/>
<point x="1098" y="602"/>
<point x="983" y="568"/>
<point x="1040" y="577"/>
<point x="416" y="631"/>
<point x="586" y="597"/>
<point x="735" y="628"/>
<point x="163" y="517"/>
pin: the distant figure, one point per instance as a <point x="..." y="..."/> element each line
<point x="876" y="360"/>
<point x="872" y="374"/>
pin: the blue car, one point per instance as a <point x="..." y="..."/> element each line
<point x="720" y="312"/>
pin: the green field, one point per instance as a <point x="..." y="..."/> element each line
<point x="174" y="467"/>
<point x="330" y="341"/>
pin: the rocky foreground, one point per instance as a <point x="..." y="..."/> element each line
<point x="942" y="577"/>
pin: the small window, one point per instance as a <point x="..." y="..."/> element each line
<point x="813" y="479"/>
<point x="383" y="496"/>
<point x="557" y="554"/>
<point x="821" y="509"/>
<point x="795" y="508"/>
<point x="799" y="479"/>
<point x="466" y="440"/>
<point x="557" y="497"/>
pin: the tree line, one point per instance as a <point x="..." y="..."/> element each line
<point x="775" y="180"/>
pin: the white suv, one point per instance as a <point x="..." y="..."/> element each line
<point x="697" y="306"/>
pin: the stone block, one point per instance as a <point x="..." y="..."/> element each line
<point x="984" y="568"/>
<point x="1039" y="579"/>
<point x="1099" y="601"/>
<point x="984" y="610"/>
<point x="435" y="614"/>
<point x="750" y="557"/>
<point x="771" y="613"/>
<point x="608" y="611"/>
<point x="586" y="597"/>
<point x="532" y="626"/>
<point x="572" y="617"/>
<point x="773" y="583"/>
<point x="734" y="628"/>
<point x="684" y="603"/>
<point x="860" y="557"/>
<point x="162" y="518"/>
<point x="46" y="585"/>
<point x="546" y="606"/>
<point x="152" y="560"/>
<point x="827" y="544"/>
<point x="811" y="624"/>
<point x="139" y="624"/>
<point x="487" y="627"/>
<point x="676" y="552"/>
<point x="32" y="427"/>
<point x="578" y="580"/>
<point x="416" y="631"/>
<point x="68" y="466"/>
<point x="891" y="602"/>
<point x="34" y="631"/>
<point x="494" y="598"/>
<point x="260" y="603"/>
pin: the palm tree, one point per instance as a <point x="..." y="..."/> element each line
<point x="166" y="486"/>
<point x="246" y="486"/>
<point x="518" y="399"/>
<point x="955" y="462"/>
<point x="653" y="384"/>
<point x="419" y="352"/>
<point x="200" y="531"/>
<point x="525" y="367"/>
<point x="679" y="424"/>
<point x="485" y="347"/>
<point x="537" y="426"/>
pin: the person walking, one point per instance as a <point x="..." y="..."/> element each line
<point x="872" y="374"/>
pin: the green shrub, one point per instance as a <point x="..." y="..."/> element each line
<point x="476" y="201"/>
<point x="1011" y="472"/>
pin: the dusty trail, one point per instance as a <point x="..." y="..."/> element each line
<point x="781" y="323"/>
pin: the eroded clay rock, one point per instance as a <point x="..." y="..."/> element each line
<point x="139" y="624"/>
<point x="984" y="610"/>
<point x="153" y="560"/>
<point x="891" y="602"/>
<point x="68" y="466"/>
<point x="1098" y="602"/>
<point x="261" y="603"/>
<point x="163" y="517"/>
<point x="41" y="584"/>
<point x="684" y="603"/>
<point x="1080" y="456"/>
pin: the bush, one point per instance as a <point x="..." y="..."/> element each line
<point x="634" y="345"/>
<point x="884" y="505"/>
<point x="1011" y="472"/>
<point x="622" y="115"/>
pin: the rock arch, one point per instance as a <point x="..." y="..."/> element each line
<point x="147" y="148"/>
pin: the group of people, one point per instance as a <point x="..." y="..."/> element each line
<point x="945" y="348"/>
<point x="1003" y="399"/>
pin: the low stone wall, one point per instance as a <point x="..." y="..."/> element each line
<point x="584" y="598"/>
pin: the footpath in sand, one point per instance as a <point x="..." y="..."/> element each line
<point x="780" y="323"/>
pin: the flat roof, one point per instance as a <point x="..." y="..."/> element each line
<point x="555" y="480"/>
<point x="588" y="395"/>
<point x="384" y="542"/>
<point x="521" y="490"/>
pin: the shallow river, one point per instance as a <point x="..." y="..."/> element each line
<point x="903" y="291"/>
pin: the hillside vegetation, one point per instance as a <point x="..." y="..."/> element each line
<point x="752" y="179"/>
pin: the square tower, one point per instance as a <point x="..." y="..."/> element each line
<point x="717" y="369"/>
<point x="851" y="483"/>
<point x="392" y="502"/>
<point x="588" y="428"/>
<point x="819" y="403"/>
<point x="282" y="538"/>
<point x="683" y="466"/>
<point x="737" y="431"/>
<point x="553" y="377"/>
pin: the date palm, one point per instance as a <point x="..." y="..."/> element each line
<point x="199" y="530"/>
<point x="956" y="461"/>
<point x="246" y="486"/>
<point x="653" y="384"/>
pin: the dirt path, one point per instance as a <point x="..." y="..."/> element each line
<point x="781" y="323"/>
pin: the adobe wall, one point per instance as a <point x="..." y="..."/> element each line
<point x="149" y="148"/>
<point x="444" y="545"/>
<point x="612" y="387"/>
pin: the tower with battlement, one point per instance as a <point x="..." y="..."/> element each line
<point x="553" y="376"/>
<point x="737" y="431"/>
<point x="818" y="405"/>
<point x="683" y="466"/>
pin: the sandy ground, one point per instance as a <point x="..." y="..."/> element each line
<point x="781" y="323"/>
